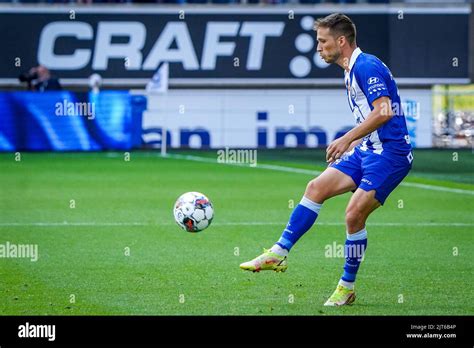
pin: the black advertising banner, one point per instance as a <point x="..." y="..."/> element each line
<point x="225" y="46"/>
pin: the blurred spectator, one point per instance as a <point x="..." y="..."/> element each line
<point x="39" y="79"/>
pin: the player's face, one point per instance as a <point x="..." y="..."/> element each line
<point x="328" y="47"/>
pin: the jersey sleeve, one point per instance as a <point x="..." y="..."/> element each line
<point x="372" y="79"/>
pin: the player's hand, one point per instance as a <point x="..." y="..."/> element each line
<point x="337" y="148"/>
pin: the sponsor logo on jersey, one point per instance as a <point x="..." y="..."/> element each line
<point x="372" y="80"/>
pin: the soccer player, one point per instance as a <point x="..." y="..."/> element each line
<point x="370" y="160"/>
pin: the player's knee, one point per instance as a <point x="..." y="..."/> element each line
<point x="354" y="219"/>
<point x="315" y="191"/>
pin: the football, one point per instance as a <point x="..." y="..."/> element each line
<point x="193" y="212"/>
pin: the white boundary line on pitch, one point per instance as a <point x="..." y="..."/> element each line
<point x="311" y="172"/>
<point x="235" y="223"/>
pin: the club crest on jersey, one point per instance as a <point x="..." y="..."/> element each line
<point x="372" y="80"/>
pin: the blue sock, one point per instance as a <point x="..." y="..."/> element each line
<point x="301" y="220"/>
<point x="354" y="250"/>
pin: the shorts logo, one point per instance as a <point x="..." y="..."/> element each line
<point x="372" y="80"/>
<point x="366" y="181"/>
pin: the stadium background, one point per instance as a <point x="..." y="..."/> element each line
<point x="87" y="187"/>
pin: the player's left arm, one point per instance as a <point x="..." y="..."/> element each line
<point x="380" y="115"/>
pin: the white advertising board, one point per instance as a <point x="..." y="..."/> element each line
<point x="266" y="118"/>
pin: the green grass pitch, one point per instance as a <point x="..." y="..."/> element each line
<point x="108" y="244"/>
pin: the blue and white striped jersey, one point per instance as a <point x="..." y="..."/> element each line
<point x="367" y="80"/>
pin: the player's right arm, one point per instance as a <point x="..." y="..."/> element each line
<point x="381" y="114"/>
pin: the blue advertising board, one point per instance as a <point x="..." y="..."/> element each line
<point x="67" y="121"/>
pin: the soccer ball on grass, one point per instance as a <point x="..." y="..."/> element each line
<point x="193" y="212"/>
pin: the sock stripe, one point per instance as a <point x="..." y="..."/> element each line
<point x="362" y="234"/>
<point x="349" y="285"/>
<point x="313" y="206"/>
